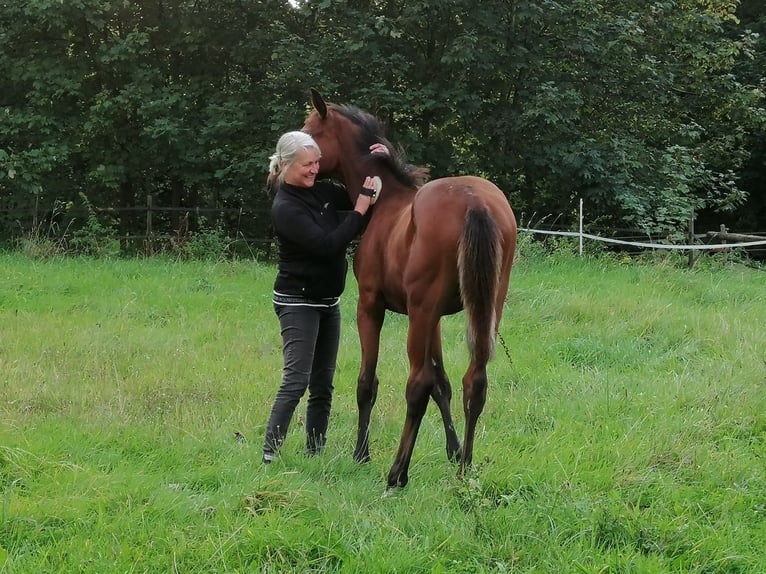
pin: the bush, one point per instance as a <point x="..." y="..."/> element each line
<point x="94" y="238"/>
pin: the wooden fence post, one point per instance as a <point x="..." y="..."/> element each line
<point x="724" y="231"/>
<point x="691" y="239"/>
<point x="581" y="216"/>
<point x="149" y="215"/>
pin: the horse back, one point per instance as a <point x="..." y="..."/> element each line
<point x="417" y="243"/>
<point x="439" y="218"/>
<point x="440" y="207"/>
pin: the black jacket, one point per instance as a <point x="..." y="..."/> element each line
<point x="312" y="239"/>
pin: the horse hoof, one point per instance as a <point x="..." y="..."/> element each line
<point x="398" y="480"/>
<point x="362" y="458"/>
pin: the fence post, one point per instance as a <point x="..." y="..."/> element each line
<point x="691" y="239"/>
<point x="581" y="227"/>
<point x="149" y="215"/>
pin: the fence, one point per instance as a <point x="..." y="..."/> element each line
<point x="743" y="241"/>
<point x="725" y="235"/>
<point x="141" y="223"/>
<point x="259" y="221"/>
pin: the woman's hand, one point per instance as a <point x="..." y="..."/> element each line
<point x="371" y="186"/>
<point x="368" y="195"/>
<point x="363" y="202"/>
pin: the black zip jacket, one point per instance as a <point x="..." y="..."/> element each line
<point x="312" y="239"/>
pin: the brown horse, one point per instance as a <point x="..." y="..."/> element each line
<point x="429" y="250"/>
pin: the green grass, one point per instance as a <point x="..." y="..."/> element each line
<point x="624" y="429"/>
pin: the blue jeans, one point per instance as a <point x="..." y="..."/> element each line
<point x="310" y="339"/>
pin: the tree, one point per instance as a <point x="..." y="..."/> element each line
<point x="633" y="107"/>
<point x="119" y="100"/>
<point x="751" y="216"/>
<point x="646" y="110"/>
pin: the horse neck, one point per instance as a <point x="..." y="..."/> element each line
<point x="352" y="177"/>
<point x="393" y="190"/>
<point x="353" y="173"/>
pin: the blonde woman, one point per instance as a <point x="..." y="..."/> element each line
<point x="312" y="241"/>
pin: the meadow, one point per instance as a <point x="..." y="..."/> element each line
<point x="624" y="431"/>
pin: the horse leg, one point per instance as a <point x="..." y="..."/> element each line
<point x="441" y="393"/>
<point x="419" y="388"/>
<point x="369" y="317"/>
<point x="474" y="398"/>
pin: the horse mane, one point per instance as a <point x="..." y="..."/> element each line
<point x="371" y="131"/>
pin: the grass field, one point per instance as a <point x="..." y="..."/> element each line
<point x="625" y="427"/>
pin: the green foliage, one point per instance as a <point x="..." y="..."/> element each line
<point x="45" y="238"/>
<point x="207" y="243"/>
<point x="646" y="110"/>
<point x="94" y="237"/>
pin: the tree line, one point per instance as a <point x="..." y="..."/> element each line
<point x="647" y="110"/>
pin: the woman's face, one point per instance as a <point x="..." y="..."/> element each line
<point x="303" y="170"/>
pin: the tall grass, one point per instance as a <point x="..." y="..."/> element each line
<point x="624" y="429"/>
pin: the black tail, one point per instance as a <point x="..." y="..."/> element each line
<point x="479" y="264"/>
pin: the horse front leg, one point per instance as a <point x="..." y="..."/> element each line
<point x="369" y="317"/>
<point x="441" y="393"/>
<point x="474" y="398"/>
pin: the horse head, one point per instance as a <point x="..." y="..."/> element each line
<point x="344" y="134"/>
<point x="326" y="129"/>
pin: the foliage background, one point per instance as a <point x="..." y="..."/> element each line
<point x="645" y="110"/>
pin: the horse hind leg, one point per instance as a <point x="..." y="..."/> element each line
<point x="474" y="399"/>
<point x="429" y="381"/>
<point x="420" y="385"/>
<point x="417" y="394"/>
<point x="480" y="267"/>
<point x="441" y="393"/>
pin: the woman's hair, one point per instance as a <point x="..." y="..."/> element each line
<point x="288" y="147"/>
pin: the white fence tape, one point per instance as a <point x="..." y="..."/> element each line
<point x="582" y="236"/>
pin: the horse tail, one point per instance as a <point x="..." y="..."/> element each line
<point x="479" y="265"/>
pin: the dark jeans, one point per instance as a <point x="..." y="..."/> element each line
<point x="310" y="339"/>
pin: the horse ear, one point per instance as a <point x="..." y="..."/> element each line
<point x="318" y="102"/>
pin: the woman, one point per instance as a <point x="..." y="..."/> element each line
<point x="312" y="241"/>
